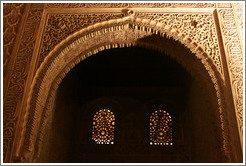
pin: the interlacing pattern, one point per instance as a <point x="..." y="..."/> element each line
<point x="199" y="27"/>
<point x="103" y="127"/>
<point x="161" y="128"/>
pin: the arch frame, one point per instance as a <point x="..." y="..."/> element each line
<point x="124" y="32"/>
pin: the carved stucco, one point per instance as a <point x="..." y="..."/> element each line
<point x="59" y="26"/>
<point x="21" y="67"/>
<point x="199" y="27"/>
<point x="234" y="55"/>
<point x="120" y="33"/>
<point x="17" y="82"/>
<point x="130" y="5"/>
<point x="12" y="15"/>
<point x="238" y="15"/>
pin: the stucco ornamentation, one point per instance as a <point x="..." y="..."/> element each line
<point x="130" y="5"/>
<point x="122" y="32"/>
<point x="12" y="15"/>
<point x="234" y="54"/>
<point x="18" y="77"/>
<point x="199" y="27"/>
<point x="59" y="26"/>
<point x="68" y="39"/>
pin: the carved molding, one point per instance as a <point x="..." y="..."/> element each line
<point x="234" y="57"/>
<point x="60" y="26"/>
<point x="18" y="77"/>
<point x="76" y="47"/>
<point x="12" y="15"/>
<point x="199" y="27"/>
<point x="130" y="5"/>
<point x="224" y="5"/>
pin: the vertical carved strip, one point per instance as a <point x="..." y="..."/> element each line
<point x="234" y="55"/>
<point x="12" y="15"/>
<point x="238" y="10"/>
<point x="18" y="77"/>
<point x="60" y="26"/>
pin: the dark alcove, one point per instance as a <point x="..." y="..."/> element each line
<point x="132" y="83"/>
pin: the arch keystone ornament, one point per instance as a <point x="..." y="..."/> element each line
<point x="116" y="33"/>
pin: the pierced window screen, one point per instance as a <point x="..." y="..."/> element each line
<point x="103" y="127"/>
<point x="161" y="128"/>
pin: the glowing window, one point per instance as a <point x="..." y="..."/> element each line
<point x="161" y="128"/>
<point x="103" y="127"/>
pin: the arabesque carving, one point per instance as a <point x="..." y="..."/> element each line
<point x="18" y="78"/>
<point x="199" y="27"/>
<point x="12" y="15"/>
<point x="238" y="9"/>
<point x="59" y="26"/>
<point x="125" y="33"/>
<point x="235" y="61"/>
<point x="130" y="5"/>
<point x="105" y="35"/>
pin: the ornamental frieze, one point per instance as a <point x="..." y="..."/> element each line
<point x="199" y="27"/>
<point x="130" y="5"/>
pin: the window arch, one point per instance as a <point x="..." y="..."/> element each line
<point x="161" y="128"/>
<point x="103" y="127"/>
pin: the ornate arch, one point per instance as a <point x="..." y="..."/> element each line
<point x="124" y="32"/>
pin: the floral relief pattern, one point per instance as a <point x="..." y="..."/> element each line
<point x="238" y="9"/>
<point x="121" y="5"/>
<point x="234" y="57"/>
<point x="59" y="26"/>
<point x="199" y="27"/>
<point x="12" y="15"/>
<point x="18" y="78"/>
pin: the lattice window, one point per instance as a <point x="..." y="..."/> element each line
<point x="103" y="127"/>
<point x="161" y="128"/>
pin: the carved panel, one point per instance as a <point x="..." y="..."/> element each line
<point x="234" y="56"/>
<point x="199" y="27"/>
<point x="224" y="5"/>
<point x="12" y="15"/>
<point x="18" y="79"/>
<point x="59" y="26"/>
<point x="126" y="5"/>
<point x="238" y="9"/>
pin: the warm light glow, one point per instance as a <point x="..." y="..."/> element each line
<point x="103" y="127"/>
<point x="160" y="128"/>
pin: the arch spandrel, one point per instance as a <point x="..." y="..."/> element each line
<point x="124" y="32"/>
